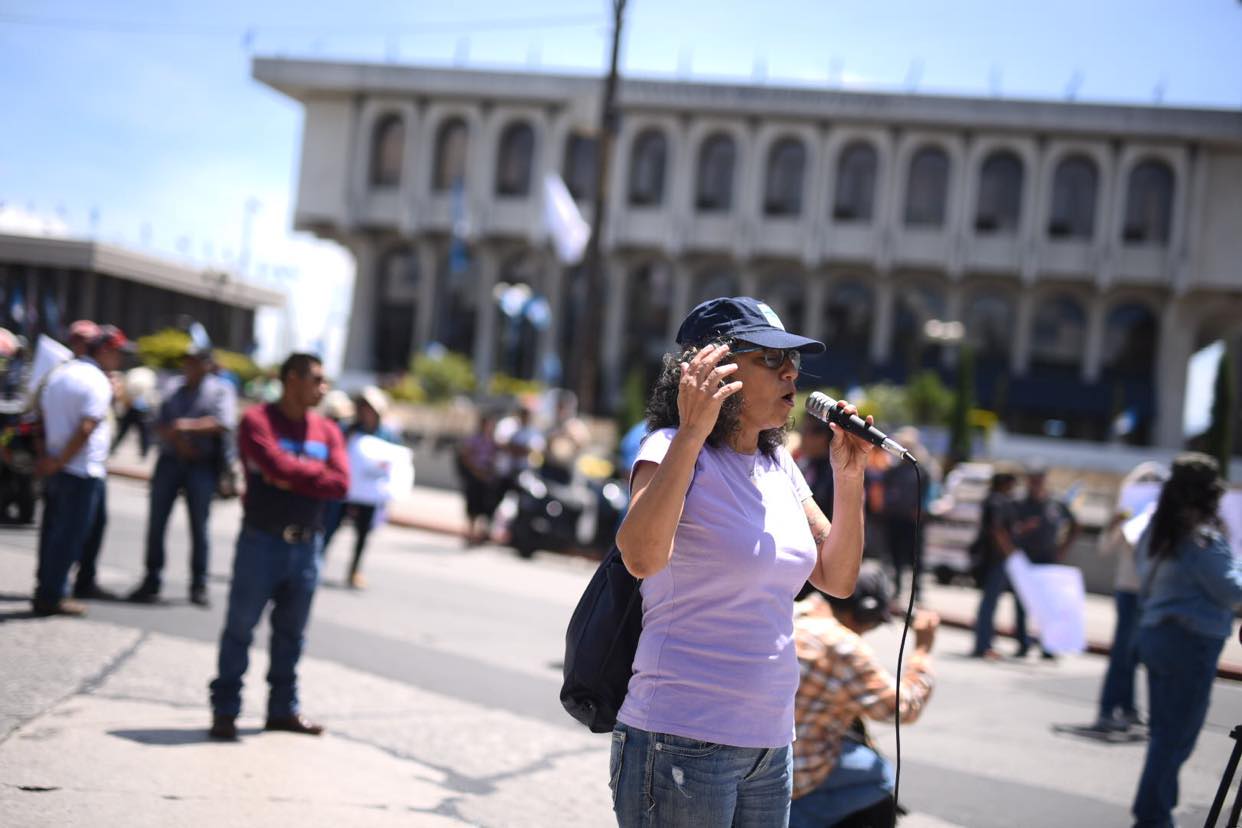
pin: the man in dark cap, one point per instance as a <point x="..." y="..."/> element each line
<point x="838" y="773"/>
<point x="198" y="415"/>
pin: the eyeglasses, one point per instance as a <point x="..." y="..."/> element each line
<point x="772" y="358"/>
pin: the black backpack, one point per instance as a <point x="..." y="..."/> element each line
<point x="600" y="645"/>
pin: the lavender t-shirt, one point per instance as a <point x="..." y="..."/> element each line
<point x="716" y="659"/>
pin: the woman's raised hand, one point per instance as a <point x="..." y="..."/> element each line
<point x="703" y="389"/>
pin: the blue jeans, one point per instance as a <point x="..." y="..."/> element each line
<point x="1117" y="694"/>
<point x="266" y="569"/>
<point x="860" y="779"/>
<point x="89" y="563"/>
<point x="1181" y="667"/>
<point x="995" y="584"/>
<point x="171" y="478"/>
<point x="658" y="779"/>
<point x="71" y="505"/>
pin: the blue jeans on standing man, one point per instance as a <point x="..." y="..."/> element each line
<point x="1181" y="666"/>
<point x="1117" y="695"/>
<point x="995" y="584"/>
<point x="266" y="568"/>
<point x="658" y="779"/>
<point x="198" y="481"/>
<point x="71" y="504"/>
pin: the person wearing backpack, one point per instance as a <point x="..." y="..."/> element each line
<point x="724" y="531"/>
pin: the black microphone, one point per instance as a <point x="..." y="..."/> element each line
<point x="823" y="407"/>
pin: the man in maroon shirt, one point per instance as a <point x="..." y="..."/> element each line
<point x="295" y="463"/>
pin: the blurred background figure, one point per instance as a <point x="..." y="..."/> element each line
<point x="195" y="420"/>
<point x="476" y="466"/>
<point x="516" y="439"/>
<point x="136" y="404"/>
<point x="992" y="546"/>
<point x="902" y="504"/>
<point x="1136" y="500"/>
<point x="813" y="460"/>
<point x="1044" y="528"/>
<point x="364" y="504"/>
<point x="566" y="437"/>
<point x="839" y="777"/>
<point x="1190" y="587"/>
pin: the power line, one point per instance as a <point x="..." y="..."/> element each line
<point x="209" y="30"/>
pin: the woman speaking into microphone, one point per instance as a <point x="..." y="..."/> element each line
<point x="723" y="531"/>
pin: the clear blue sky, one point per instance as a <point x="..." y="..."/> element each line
<point x="145" y="111"/>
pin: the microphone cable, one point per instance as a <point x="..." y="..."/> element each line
<point x="915" y="571"/>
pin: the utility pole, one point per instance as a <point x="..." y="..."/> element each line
<point x="588" y="325"/>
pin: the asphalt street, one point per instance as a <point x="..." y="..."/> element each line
<point x="480" y="630"/>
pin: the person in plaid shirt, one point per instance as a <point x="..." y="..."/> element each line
<point x="839" y="777"/>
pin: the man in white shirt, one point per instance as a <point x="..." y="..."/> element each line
<point x="77" y="437"/>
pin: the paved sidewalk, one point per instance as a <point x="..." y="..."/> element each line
<point x="444" y="511"/>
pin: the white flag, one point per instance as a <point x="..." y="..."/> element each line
<point x="565" y="224"/>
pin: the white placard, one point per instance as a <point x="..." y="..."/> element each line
<point x="378" y="470"/>
<point x="1054" y="597"/>
<point x="1231" y="513"/>
<point x="48" y="354"/>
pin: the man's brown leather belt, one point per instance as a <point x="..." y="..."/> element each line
<point x="289" y="534"/>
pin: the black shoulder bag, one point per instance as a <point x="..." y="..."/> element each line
<point x="600" y="645"/>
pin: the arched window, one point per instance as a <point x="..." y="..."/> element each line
<point x="648" y="315"/>
<point x="395" y="296"/>
<point x="714" y="189"/>
<point x="989" y="322"/>
<point x="855" y="196"/>
<point x="786" y="296"/>
<point x="452" y="140"/>
<point x="1149" y="203"/>
<point x="455" y="301"/>
<point x="579" y="169"/>
<point x="1073" y="199"/>
<point x="927" y="190"/>
<point x="1000" y="194"/>
<point x="1130" y="341"/>
<point x="1059" y="333"/>
<point x="845" y="328"/>
<point x="782" y="193"/>
<point x="513" y="162"/>
<point x="647" y="161"/>
<point x="712" y="284"/>
<point x="387" y="149"/>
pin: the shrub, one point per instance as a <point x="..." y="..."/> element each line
<point x="443" y="375"/>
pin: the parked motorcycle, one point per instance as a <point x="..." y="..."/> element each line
<point x="581" y="515"/>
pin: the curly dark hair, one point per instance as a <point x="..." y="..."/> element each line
<point x="662" y="407"/>
<point x="1188" y="501"/>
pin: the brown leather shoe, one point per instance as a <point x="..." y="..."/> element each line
<point x="223" y="728"/>
<point x="65" y="606"/>
<point x="297" y="723"/>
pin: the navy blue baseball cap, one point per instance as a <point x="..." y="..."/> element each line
<point x="744" y="318"/>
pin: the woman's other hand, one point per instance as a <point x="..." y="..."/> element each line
<point x="703" y="389"/>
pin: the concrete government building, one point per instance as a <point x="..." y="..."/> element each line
<point x="1089" y="250"/>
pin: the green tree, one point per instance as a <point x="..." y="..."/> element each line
<point x="929" y="401"/>
<point x="443" y="376"/>
<point x="963" y="402"/>
<point x="1224" y="412"/>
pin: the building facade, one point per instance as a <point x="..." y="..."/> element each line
<point x="47" y="283"/>
<point x="1088" y="250"/>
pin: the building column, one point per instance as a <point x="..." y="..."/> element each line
<point x="428" y="279"/>
<point x="748" y="283"/>
<point x="1176" y="337"/>
<point x="1020" y="347"/>
<point x="1093" y="355"/>
<point x="612" y="357"/>
<point x="553" y="293"/>
<point x="487" y="266"/>
<point x="360" y="335"/>
<point x="812" y="310"/>
<point x="882" y="320"/>
<point x="683" y="280"/>
<point x="954" y="301"/>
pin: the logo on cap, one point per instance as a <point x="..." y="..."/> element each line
<point x="770" y="315"/>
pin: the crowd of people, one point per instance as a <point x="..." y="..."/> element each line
<point x="762" y="569"/>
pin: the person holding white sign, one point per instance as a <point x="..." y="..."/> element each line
<point x="1043" y="528"/>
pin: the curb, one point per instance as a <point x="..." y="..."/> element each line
<point x="1224" y="670"/>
